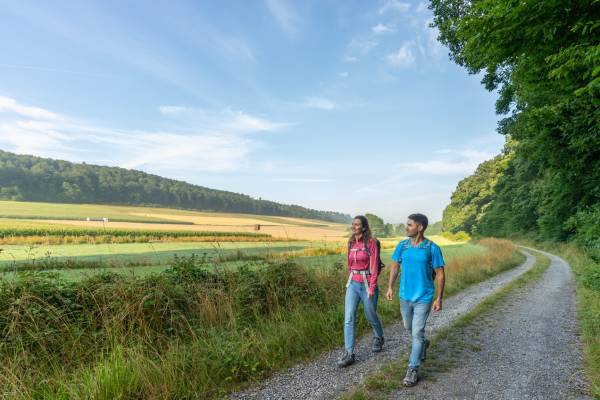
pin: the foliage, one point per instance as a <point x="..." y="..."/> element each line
<point x="542" y="58"/>
<point x="473" y="196"/>
<point x="42" y="179"/>
<point x="378" y="227"/>
<point x="433" y="229"/>
<point x="460" y="236"/>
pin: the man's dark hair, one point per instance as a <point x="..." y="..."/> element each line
<point x="420" y="218"/>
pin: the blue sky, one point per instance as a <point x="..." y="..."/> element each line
<point x="350" y="106"/>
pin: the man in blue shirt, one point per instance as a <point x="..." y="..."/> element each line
<point x="422" y="263"/>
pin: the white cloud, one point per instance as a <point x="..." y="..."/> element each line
<point x="172" y="110"/>
<point x="224" y="120"/>
<point x="284" y="15"/>
<point x="452" y="162"/>
<point x="12" y="106"/>
<point x="381" y="29"/>
<point x="350" y="59"/>
<point x="320" y="103"/>
<point x="221" y="143"/>
<point x="404" y="57"/>
<point x="363" y="45"/>
<point x="344" y="74"/>
<point x="304" y="180"/>
<point x="394" y="6"/>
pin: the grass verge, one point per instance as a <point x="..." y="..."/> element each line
<point x="389" y="378"/>
<point x="587" y="277"/>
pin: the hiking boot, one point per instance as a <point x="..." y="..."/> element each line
<point x="411" y="377"/>
<point x="377" y="344"/>
<point x="346" y="359"/>
<point x="424" y="350"/>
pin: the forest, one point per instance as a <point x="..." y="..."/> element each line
<point x="543" y="61"/>
<point x="29" y="178"/>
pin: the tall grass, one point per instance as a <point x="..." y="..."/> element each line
<point x="472" y="268"/>
<point x="587" y="273"/>
<point x="194" y="331"/>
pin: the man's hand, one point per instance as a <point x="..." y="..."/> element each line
<point x="437" y="305"/>
<point x="390" y="294"/>
<point x="371" y="293"/>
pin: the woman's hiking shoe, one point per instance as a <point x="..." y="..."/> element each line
<point x="411" y="377"/>
<point x="377" y="344"/>
<point x="347" y="359"/>
<point x="424" y="351"/>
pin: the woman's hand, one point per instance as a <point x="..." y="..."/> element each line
<point x="390" y="294"/>
<point x="371" y="292"/>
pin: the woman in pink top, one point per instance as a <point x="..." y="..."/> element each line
<point x="363" y="269"/>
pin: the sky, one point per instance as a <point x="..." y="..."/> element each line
<point x="350" y="106"/>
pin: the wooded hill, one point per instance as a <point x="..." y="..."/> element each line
<point x="29" y="178"/>
<point x="543" y="58"/>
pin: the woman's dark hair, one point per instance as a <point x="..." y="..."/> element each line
<point x="420" y="219"/>
<point x="366" y="230"/>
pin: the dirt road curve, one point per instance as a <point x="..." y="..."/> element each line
<point x="528" y="348"/>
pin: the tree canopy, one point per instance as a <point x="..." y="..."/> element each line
<point x="543" y="59"/>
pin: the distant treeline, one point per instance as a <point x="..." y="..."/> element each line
<point x="543" y="58"/>
<point x="29" y="178"/>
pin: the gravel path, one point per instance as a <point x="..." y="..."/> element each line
<point x="321" y="379"/>
<point x="527" y="347"/>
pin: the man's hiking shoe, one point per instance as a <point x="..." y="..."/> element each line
<point x="377" y="344"/>
<point x="411" y="377"/>
<point x="347" y="359"/>
<point x="424" y="350"/>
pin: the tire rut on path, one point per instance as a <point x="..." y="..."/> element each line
<point x="526" y="347"/>
<point x="321" y="379"/>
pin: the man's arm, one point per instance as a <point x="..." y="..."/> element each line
<point x="393" y="276"/>
<point x="440" y="281"/>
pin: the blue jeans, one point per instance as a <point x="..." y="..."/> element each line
<point x="356" y="293"/>
<point x="414" y="316"/>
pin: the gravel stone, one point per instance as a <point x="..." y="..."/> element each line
<point x="322" y="379"/>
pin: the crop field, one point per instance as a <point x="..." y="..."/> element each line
<point x="143" y="240"/>
<point x="46" y="215"/>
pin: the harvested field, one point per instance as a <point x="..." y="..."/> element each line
<point x="329" y="233"/>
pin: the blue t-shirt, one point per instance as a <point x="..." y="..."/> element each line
<point x="418" y="262"/>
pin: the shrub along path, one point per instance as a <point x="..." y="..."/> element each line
<point x="321" y="378"/>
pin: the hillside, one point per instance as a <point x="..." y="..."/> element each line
<point x="29" y="178"/>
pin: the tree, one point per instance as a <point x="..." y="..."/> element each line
<point x="378" y="227"/>
<point x="542" y="58"/>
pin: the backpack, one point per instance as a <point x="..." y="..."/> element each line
<point x="427" y="246"/>
<point x="380" y="264"/>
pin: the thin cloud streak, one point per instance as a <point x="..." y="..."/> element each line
<point x="319" y="103"/>
<point x="284" y="15"/>
<point x="304" y="180"/>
